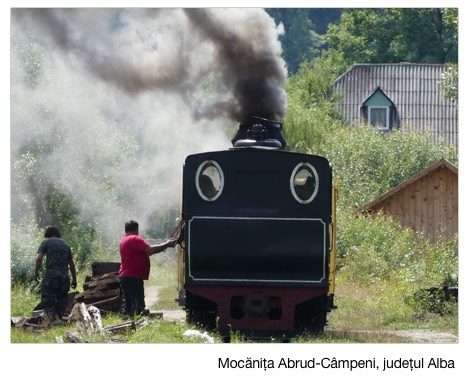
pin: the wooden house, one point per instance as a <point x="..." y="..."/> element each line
<point x="426" y="202"/>
<point x="404" y="96"/>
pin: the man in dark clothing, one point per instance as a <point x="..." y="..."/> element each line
<point x="56" y="282"/>
<point x="135" y="255"/>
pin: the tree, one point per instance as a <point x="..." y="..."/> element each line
<point x="394" y="35"/>
<point x="296" y="40"/>
<point x="323" y="17"/>
<point x="312" y="103"/>
<point x="303" y="39"/>
<point x="449" y="81"/>
<point x="424" y="36"/>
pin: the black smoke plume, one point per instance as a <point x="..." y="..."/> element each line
<point x="107" y="103"/>
<point x="175" y="50"/>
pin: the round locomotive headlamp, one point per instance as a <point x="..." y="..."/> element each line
<point x="304" y="182"/>
<point x="209" y="180"/>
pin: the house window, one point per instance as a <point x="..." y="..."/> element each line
<point x="378" y="117"/>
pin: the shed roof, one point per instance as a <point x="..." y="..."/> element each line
<point x="442" y="163"/>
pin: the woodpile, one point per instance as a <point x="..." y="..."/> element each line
<point x="102" y="288"/>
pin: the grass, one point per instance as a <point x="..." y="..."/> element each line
<point x="381" y="306"/>
<point x="23" y="299"/>
<point x="363" y="312"/>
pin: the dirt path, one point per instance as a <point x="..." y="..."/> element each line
<point x="151" y="298"/>
<point x="426" y="336"/>
<point x="412" y="336"/>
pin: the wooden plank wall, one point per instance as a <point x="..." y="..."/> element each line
<point x="428" y="205"/>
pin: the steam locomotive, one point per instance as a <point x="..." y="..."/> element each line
<point x="258" y="244"/>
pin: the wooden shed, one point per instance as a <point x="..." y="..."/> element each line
<point x="426" y="202"/>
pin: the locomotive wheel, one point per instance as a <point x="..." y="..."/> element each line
<point x="311" y="315"/>
<point x="200" y="311"/>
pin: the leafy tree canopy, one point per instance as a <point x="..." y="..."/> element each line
<point x="304" y="32"/>
<point x="420" y="35"/>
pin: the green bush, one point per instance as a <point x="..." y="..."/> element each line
<point x="435" y="300"/>
<point x="376" y="250"/>
<point x="311" y="112"/>
<point x="368" y="163"/>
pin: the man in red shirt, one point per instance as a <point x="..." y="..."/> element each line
<point x="135" y="255"/>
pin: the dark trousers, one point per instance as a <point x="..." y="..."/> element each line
<point x="134" y="295"/>
<point x="54" y="294"/>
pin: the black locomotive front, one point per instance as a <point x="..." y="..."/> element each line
<point x="257" y="237"/>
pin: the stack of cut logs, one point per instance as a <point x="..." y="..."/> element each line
<point x="102" y="288"/>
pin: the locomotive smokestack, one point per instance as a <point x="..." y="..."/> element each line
<point x="262" y="133"/>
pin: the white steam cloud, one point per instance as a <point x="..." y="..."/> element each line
<point x="107" y="103"/>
